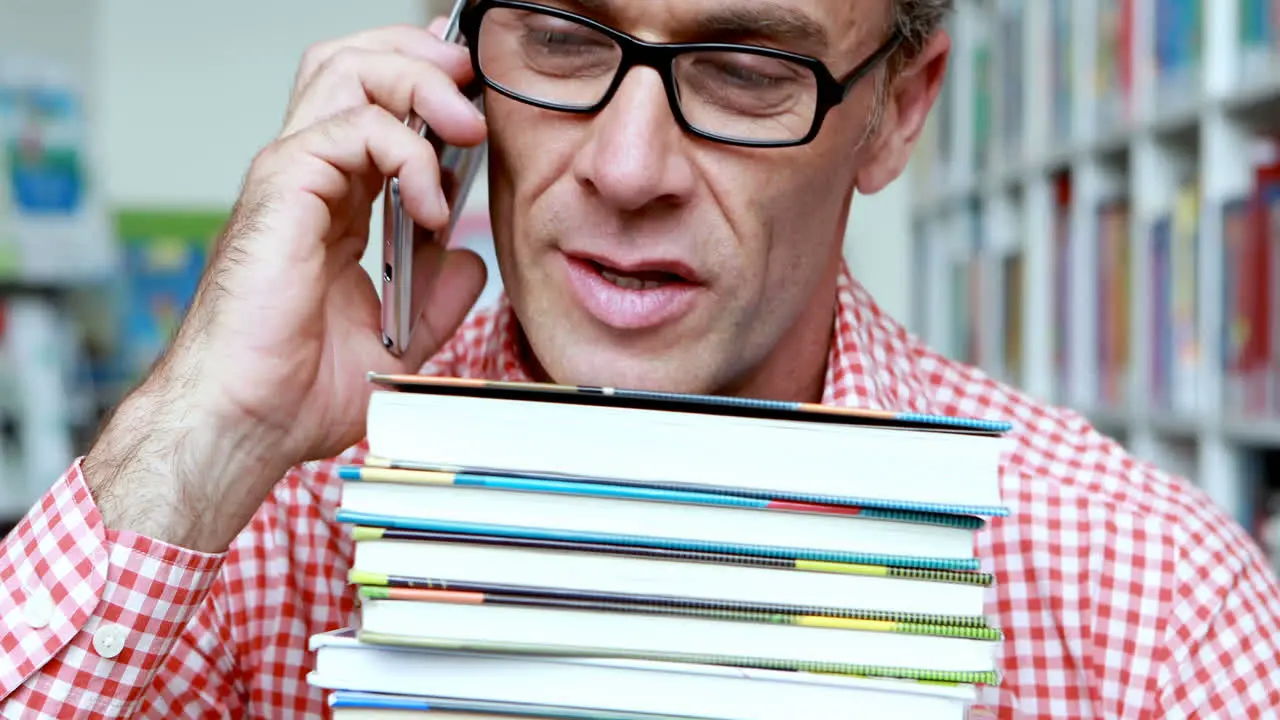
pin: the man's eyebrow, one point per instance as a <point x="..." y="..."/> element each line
<point x="759" y="21"/>
<point x="597" y="8"/>
<point x="772" y="23"/>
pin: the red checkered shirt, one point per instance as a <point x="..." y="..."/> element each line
<point x="1123" y="592"/>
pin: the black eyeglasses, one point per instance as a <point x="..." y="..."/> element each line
<point x="730" y="93"/>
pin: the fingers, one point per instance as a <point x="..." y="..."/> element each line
<point x="422" y="43"/>
<point x="438" y="26"/>
<point x="325" y="160"/>
<point x="447" y="284"/>
<point x="354" y="77"/>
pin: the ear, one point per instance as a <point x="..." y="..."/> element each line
<point x="907" y="104"/>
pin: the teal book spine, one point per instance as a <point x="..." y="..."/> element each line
<point x="795" y="553"/>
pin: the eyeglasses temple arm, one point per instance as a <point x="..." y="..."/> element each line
<point x="877" y="57"/>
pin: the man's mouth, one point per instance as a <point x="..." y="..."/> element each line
<point x="636" y="295"/>
<point x="643" y="280"/>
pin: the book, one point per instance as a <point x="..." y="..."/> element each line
<point x="630" y="515"/>
<point x="449" y="619"/>
<point x="799" y="451"/>
<point x="416" y="558"/>
<point x="605" y="532"/>
<point x="604" y="685"/>
<point x="346" y="705"/>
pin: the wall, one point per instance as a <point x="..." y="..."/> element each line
<point x="184" y="107"/>
<point x="57" y="28"/>
<point x="878" y="247"/>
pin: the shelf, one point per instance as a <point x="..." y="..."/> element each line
<point x="11" y="512"/>
<point x="1144" y="260"/>
<point x="57" y="251"/>
<point x="1110" y="421"/>
<point x="1257" y="109"/>
<point x="1174" y="426"/>
<point x="1254" y="433"/>
<point x="1110" y="147"/>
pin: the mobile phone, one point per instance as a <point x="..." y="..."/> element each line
<point x="458" y="168"/>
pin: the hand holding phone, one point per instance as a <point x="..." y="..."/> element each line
<point x="284" y="328"/>
<point x="458" y="168"/>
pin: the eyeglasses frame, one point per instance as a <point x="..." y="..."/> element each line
<point x="661" y="58"/>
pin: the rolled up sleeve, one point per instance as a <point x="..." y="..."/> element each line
<point x="87" y="614"/>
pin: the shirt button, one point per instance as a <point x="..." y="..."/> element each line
<point x="108" y="639"/>
<point x="38" y="609"/>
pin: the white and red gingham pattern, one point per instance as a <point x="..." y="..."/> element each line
<point x="1123" y="592"/>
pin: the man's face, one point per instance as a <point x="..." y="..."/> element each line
<point x="638" y="255"/>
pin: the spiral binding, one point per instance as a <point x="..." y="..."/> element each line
<point x="972" y="626"/>
<point x="963" y="577"/>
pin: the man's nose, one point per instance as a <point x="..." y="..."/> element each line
<point x="634" y="155"/>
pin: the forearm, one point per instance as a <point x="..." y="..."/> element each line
<point x="168" y="470"/>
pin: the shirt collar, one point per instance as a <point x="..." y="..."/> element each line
<point x="871" y="363"/>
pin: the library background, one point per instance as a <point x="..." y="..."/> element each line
<point x="1088" y="217"/>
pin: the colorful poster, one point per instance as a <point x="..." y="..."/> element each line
<point x="163" y="255"/>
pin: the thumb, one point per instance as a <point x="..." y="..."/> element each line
<point x="447" y="284"/>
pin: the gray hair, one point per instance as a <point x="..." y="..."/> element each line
<point x="916" y="21"/>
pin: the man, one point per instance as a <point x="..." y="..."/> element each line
<point x="645" y="241"/>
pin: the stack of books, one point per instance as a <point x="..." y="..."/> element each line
<point x="528" y="550"/>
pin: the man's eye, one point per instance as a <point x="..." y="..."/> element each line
<point x="558" y="37"/>
<point x="747" y="75"/>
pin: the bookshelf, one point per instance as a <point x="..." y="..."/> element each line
<point x="1093" y="222"/>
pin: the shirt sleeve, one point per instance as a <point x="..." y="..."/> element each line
<point x="1223" y="633"/>
<point x="87" y="614"/>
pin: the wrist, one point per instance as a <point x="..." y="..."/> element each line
<point x="178" y="470"/>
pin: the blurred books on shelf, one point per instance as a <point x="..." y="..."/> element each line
<point x="1137" y="178"/>
<point x="164" y="253"/>
<point x="1174" y="316"/>
<point x="1251" y="277"/>
<point x="740" y="573"/>
<point x="127" y="321"/>
<point x="37" y="364"/>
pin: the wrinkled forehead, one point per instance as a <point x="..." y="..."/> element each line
<point x="826" y="29"/>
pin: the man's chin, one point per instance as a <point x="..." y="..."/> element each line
<point x="606" y="366"/>
<point x="562" y="342"/>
